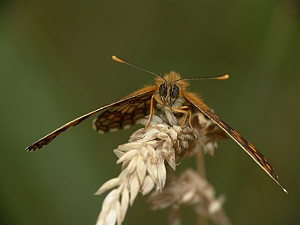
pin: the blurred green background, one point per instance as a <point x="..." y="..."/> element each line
<point x="56" y="65"/>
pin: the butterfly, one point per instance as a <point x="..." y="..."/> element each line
<point x="169" y="93"/>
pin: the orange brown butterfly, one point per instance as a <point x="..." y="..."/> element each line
<point x="169" y="93"/>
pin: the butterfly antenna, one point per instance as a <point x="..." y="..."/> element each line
<point x="220" y="77"/>
<point x="115" y="58"/>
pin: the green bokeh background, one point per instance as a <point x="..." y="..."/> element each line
<point x="56" y="65"/>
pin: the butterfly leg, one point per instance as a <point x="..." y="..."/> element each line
<point x="183" y="112"/>
<point x="151" y="110"/>
<point x="187" y="114"/>
<point x="160" y="102"/>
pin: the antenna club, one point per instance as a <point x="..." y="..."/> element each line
<point x="223" y="77"/>
<point x="115" y="58"/>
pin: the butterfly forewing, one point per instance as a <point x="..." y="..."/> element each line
<point x="258" y="157"/>
<point x="111" y="120"/>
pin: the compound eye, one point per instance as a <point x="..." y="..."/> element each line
<point x="174" y="92"/>
<point x="163" y="90"/>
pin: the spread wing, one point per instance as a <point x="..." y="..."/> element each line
<point x="143" y="93"/>
<point x="258" y="157"/>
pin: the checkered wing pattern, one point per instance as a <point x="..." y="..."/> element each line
<point x="124" y="114"/>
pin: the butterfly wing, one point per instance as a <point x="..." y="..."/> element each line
<point x="124" y="114"/>
<point x="140" y="94"/>
<point x="258" y="157"/>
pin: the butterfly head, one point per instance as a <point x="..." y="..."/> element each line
<point x="169" y="89"/>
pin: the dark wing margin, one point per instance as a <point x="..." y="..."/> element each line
<point x="49" y="137"/>
<point x="258" y="157"/>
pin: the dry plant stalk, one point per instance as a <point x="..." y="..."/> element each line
<point x="146" y="161"/>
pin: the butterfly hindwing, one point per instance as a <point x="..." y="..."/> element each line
<point x="124" y="114"/>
